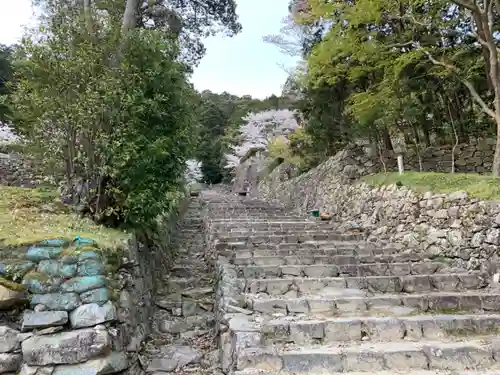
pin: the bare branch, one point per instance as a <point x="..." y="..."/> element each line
<point x="466" y="83"/>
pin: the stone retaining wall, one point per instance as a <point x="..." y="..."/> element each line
<point x="466" y="231"/>
<point x="17" y="170"/>
<point x="71" y="323"/>
<point x="73" y="308"/>
<point x="475" y="156"/>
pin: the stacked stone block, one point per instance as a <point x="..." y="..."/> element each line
<point x="295" y="296"/>
<point x="70" y="323"/>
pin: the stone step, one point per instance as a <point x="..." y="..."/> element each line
<point x="490" y="371"/>
<point x="178" y="285"/>
<point x="218" y="227"/>
<point x="280" y="244"/>
<point x="279" y="220"/>
<point x="333" y="270"/>
<point x="326" y="286"/>
<point x="360" y="302"/>
<point x="331" y="330"/>
<point x="292" y="238"/>
<point x="281" y="251"/>
<point x="252" y="215"/>
<point x="313" y="258"/>
<point x="288" y="224"/>
<point x="311" y="244"/>
<point x="297" y="234"/>
<point x="370" y="357"/>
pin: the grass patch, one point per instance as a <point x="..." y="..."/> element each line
<point x="7" y="148"/>
<point x="28" y="216"/>
<point x="477" y="186"/>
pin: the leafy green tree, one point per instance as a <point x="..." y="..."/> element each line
<point x="6" y="74"/>
<point x="388" y="71"/>
<point x="104" y="96"/>
<point x="211" y="150"/>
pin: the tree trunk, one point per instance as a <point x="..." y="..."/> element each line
<point x="496" y="158"/>
<point x="482" y="24"/>
<point x="87" y="12"/>
<point x="480" y="30"/>
<point x="129" y="16"/>
<point x="387" y="139"/>
<point x="495" y="80"/>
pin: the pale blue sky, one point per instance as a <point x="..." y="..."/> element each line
<point x="240" y="65"/>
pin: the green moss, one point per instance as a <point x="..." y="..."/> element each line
<point x="77" y="250"/>
<point x="11" y="285"/>
<point x="34" y="275"/>
<point x="477" y="186"/>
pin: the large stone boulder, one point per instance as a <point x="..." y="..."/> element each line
<point x="11" y="295"/>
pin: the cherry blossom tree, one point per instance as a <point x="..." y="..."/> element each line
<point x="193" y="171"/>
<point x="258" y="131"/>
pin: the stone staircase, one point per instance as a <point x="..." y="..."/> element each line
<point x="294" y="296"/>
<point x="183" y="339"/>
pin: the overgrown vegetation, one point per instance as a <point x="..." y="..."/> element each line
<point x="100" y="94"/>
<point x="394" y="72"/>
<point x="477" y="186"/>
<point x="28" y="216"/>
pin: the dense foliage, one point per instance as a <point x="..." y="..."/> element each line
<point x="394" y="72"/>
<point x="102" y="97"/>
<point x="6" y="73"/>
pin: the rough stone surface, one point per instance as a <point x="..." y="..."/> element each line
<point x="92" y="314"/>
<point x="9" y="339"/>
<point x="9" y="362"/>
<point x="110" y="364"/>
<point x="57" y="301"/>
<point x="10" y="298"/>
<point x="454" y="226"/>
<point x="183" y="339"/>
<point x="297" y="295"/>
<point x="16" y="170"/>
<point x="65" y="347"/>
<point x="43" y="319"/>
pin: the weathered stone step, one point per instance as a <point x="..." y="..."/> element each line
<point x="312" y="258"/>
<point x="177" y="325"/>
<point x="280" y="244"/>
<point x="281" y="251"/>
<point x="272" y="221"/>
<point x="391" y="372"/>
<point x="369" y="357"/>
<point x="333" y="270"/>
<point x="319" y="238"/>
<point x="252" y="215"/>
<point x="331" y="330"/>
<point x="220" y="227"/>
<point x="289" y="235"/>
<point x="289" y="223"/>
<point x="382" y="304"/>
<point x="449" y="282"/>
<point x="306" y="245"/>
<point x="182" y="284"/>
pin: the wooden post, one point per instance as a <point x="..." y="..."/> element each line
<point x="401" y="168"/>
